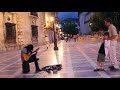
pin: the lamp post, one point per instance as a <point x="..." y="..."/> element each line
<point x="91" y="29"/>
<point x="55" y="40"/>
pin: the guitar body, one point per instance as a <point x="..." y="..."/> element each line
<point x="25" y="56"/>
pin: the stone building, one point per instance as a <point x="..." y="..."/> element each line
<point x="48" y="24"/>
<point x="18" y="29"/>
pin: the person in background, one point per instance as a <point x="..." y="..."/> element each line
<point x="66" y="37"/>
<point x="47" y="41"/>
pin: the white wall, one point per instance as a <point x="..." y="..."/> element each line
<point x="84" y="27"/>
<point x="81" y="19"/>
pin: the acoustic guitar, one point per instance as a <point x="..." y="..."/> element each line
<point x="27" y="56"/>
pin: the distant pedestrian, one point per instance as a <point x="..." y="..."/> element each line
<point x="66" y="38"/>
<point x="113" y="37"/>
<point x="103" y="51"/>
<point x="47" y="41"/>
<point x="77" y="36"/>
<point x="74" y="37"/>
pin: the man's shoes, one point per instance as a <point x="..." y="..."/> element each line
<point x="39" y="70"/>
<point x="111" y="67"/>
<point x="114" y="69"/>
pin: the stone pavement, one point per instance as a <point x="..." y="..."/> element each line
<point x="78" y="60"/>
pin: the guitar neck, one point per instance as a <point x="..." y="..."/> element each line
<point x="35" y="51"/>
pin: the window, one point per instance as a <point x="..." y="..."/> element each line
<point x="34" y="32"/>
<point x="34" y="13"/>
<point x="10" y="32"/>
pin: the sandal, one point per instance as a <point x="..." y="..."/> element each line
<point x="102" y="69"/>
<point x="97" y="69"/>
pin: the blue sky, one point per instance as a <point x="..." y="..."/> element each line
<point x="64" y="15"/>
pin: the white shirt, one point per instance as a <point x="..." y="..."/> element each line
<point x="107" y="46"/>
<point x="112" y="31"/>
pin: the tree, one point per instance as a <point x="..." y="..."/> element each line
<point x="97" y="20"/>
<point x="69" y="27"/>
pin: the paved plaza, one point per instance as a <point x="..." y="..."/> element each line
<point x="78" y="60"/>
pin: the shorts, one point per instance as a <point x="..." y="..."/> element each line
<point x="101" y="57"/>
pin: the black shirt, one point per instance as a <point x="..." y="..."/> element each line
<point x="102" y="50"/>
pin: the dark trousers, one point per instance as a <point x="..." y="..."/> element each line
<point x="66" y="39"/>
<point x="26" y="63"/>
<point x="75" y="39"/>
<point x="25" y="67"/>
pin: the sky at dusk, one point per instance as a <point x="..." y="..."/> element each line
<point x="65" y="15"/>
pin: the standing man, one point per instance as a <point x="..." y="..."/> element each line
<point x="113" y="37"/>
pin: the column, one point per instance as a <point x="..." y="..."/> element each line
<point x="2" y="37"/>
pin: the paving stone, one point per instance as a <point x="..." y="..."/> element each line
<point x="113" y="72"/>
<point x="83" y="68"/>
<point x="86" y="74"/>
<point x="80" y="64"/>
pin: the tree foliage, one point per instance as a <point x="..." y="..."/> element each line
<point x="97" y="20"/>
<point x="69" y="27"/>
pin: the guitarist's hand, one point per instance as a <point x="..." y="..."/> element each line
<point x="36" y="50"/>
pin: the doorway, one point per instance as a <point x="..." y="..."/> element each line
<point x="10" y="33"/>
<point x="34" y="29"/>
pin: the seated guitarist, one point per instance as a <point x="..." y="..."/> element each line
<point x="28" y="56"/>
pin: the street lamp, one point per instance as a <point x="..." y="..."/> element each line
<point x="90" y="24"/>
<point x="56" y="25"/>
<point x="55" y="40"/>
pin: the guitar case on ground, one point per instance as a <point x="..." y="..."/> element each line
<point x="54" y="68"/>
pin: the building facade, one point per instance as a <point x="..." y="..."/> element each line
<point x="84" y="20"/>
<point x="18" y="29"/>
<point x="48" y="24"/>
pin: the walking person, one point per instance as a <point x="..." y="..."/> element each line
<point x="28" y="56"/>
<point x="77" y="36"/>
<point x="113" y="37"/>
<point x="66" y="37"/>
<point x="47" y="41"/>
<point x="74" y="36"/>
<point x="103" y="51"/>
